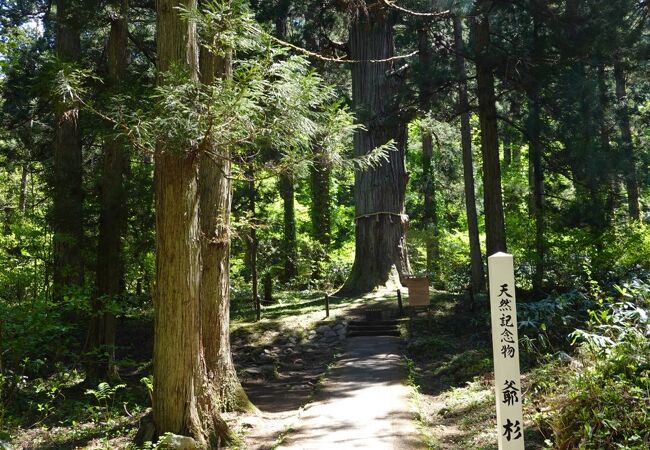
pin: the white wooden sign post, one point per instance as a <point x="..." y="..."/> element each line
<point x="505" y="348"/>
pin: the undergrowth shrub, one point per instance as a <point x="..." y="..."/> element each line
<point x="601" y="399"/>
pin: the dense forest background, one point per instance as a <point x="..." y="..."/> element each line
<point x="519" y="126"/>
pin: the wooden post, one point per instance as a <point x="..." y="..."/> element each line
<point x="400" y="306"/>
<point x="327" y="305"/>
<point x="505" y="348"/>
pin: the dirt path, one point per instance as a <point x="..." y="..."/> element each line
<point x="363" y="403"/>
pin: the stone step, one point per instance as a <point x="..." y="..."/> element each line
<point x="374" y="323"/>
<point x="373" y="328"/>
<point x="384" y="332"/>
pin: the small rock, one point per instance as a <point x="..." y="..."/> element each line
<point x="5" y="446"/>
<point x="265" y="357"/>
<point x="323" y="329"/>
<point x="177" y="442"/>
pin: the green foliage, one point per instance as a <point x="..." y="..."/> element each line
<point x="605" y="403"/>
<point x="104" y="395"/>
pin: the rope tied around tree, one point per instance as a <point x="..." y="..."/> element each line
<point x="404" y="218"/>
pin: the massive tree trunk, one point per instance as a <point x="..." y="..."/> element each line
<point x="494" y="221"/>
<point x="380" y="230"/>
<point x="215" y="193"/>
<point x="430" y="213"/>
<point x="67" y="204"/>
<point x="478" y="277"/>
<point x="629" y="163"/>
<point x="100" y="345"/>
<point x="185" y="401"/>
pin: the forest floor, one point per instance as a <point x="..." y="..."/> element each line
<point x="308" y="379"/>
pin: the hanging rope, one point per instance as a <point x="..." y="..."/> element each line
<point x="439" y="15"/>
<point x="318" y="56"/>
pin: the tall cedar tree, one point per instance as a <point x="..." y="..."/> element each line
<point x="430" y="215"/>
<point x="185" y="401"/>
<point x="286" y="183"/>
<point x="67" y="204"/>
<point x="100" y="345"/>
<point x="215" y="193"/>
<point x="493" y="199"/>
<point x="476" y="261"/>
<point x="380" y="230"/>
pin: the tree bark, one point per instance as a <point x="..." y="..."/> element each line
<point x="627" y="146"/>
<point x="67" y="204"/>
<point x="320" y="212"/>
<point x="289" y="240"/>
<point x="476" y="260"/>
<point x="536" y="149"/>
<point x="100" y="345"/>
<point x="215" y="193"/>
<point x="430" y="214"/>
<point x="252" y="243"/>
<point x="185" y="401"/>
<point x="286" y="182"/>
<point x="535" y="164"/>
<point x="380" y="231"/>
<point x="494" y="221"/>
<point x="22" y="199"/>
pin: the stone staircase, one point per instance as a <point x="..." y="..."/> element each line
<point x="373" y="328"/>
<point x="373" y="322"/>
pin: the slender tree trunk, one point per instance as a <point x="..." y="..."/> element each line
<point x="215" y="193"/>
<point x="535" y="145"/>
<point x="380" y="232"/>
<point x="494" y="221"/>
<point x="629" y="160"/>
<point x="67" y="209"/>
<point x="478" y="278"/>
<point x="252" y="194"/>
<point x="100" y="344"/>
<point x="286" y="183"/>
<point x="289" y="240"/>
<point x="22" y="199"/>
<point x="535" y="165"/>
<point x="320" y="212"/>
<point x="430" y="215"/>
<point x="185" y="401"/>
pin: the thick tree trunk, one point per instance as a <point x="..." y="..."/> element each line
<point x="215" y="193"/>
<point x="629" y="160"/>
<point x="67" y="204"/>
<point x="380" y="232"/>
<point x="478" y="277"/>
<point x="494" y="221"/>
<point x="100" y="345"/>
<point x="430" y="214"/>
<point x="184" y="400"/>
